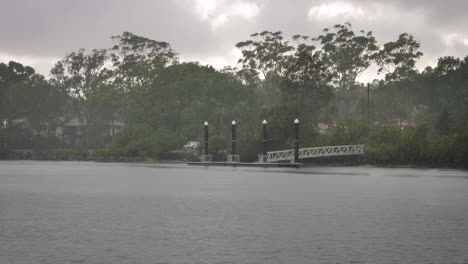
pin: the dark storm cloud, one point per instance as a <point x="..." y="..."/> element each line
<point x="40" y="32"/>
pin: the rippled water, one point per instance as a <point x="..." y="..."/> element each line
<point x="84" y="212"/>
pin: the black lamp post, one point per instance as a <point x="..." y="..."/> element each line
<point x="233" y="133"/>
<point x="206" y="138"/>
<point x="296" y="140"/>
<point x="265" y="140"/>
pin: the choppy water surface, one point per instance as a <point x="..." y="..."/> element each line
<point x="84" y="212"/>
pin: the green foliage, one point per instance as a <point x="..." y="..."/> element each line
<point x="346" y="53"/>
<point x="414" y="144"/>
<point x="249" y="140"/>
<point x="218" y="147"/>
<point x="79" y="73"/>
<point x="442" y="149"/>
<point x="460" y="149"/>
<point x="139" y="81"/>
<point x="443" y="123"/>
<point x="135" y="140"/>
<point x="138" y="60"/>
<point x="29" y="108"/>
<point x="392" y="145"/>
<point x="142" y="140"/>
<point x="280" y="126"/>
<point x="349" y="133"/>
<point x="383" y="144"/>
<point x="398" y="58"/>
<point x="266" y="54"/>
<point x="447" y="65"/>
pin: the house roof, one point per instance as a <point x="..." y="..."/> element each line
<point x="322" y="126"/>
<point x="75" y="122"/>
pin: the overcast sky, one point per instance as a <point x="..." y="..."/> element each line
<point x="38" y="33"/>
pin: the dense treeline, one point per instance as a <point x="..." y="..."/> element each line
<point x="163" y="103"/>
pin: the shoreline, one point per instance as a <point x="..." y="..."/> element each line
<point x="307" y="164"/>
<point x="340" y="161"/>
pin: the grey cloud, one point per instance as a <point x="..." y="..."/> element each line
<point x="52" y="28"/>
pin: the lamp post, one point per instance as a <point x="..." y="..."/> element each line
<point x="206" y="138"/>
<point x="296" y="140"/>
<point x="233" y="137"/>
<point x="265" y="140"/>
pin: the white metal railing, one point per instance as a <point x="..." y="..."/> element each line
<point x="314" y="152"/>
<point x="279" y="155"/>
<point x="206" y="158"/>
<point x="262" y="158"/>
<point x="233" y="158"/>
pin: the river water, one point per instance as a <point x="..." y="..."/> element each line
<point x="85" y="212"/>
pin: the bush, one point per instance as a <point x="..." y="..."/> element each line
<point x="443" y="149"/>
<point x="383" y="144"/>
<point x="349" y="133"/>
<point x="461" y="148"/>
<point x="249" y="142"/>
<point x="390" y="144"/>
<point x="414" y="144"/>
<point x="142" y="140"/>
<point x="218" y="147"/>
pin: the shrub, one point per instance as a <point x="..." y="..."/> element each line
<point x="349" y="133"/>
<point x="142" y="140"/>
<point x="443" y="149"/>
<point x="383" y="144"/>
<point x="218" y="146"/>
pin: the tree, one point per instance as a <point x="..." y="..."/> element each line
<point x="346" y="53"/>
<point x="265" y="54"/>
<point x="307" y="64"/>
<point x="80" y="73"/>
<point x="29" y="107"/>
<point x="12" y="76"/>
<point x="138" y="60"/>
<point x="286" y="74"/>
<point x="398" y="58"/>
<point x="447" y="64"/>
<point x="83" y="75"/>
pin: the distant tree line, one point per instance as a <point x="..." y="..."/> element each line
<point x="163" y="103"/>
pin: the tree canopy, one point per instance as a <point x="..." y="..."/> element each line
<point x="162" y="102"/>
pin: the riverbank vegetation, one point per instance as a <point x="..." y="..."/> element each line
<point x="137" y="99"/>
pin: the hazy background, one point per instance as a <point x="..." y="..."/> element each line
<point x="38" y="33"/>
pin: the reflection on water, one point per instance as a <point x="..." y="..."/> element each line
<point x="84" y="212"/>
